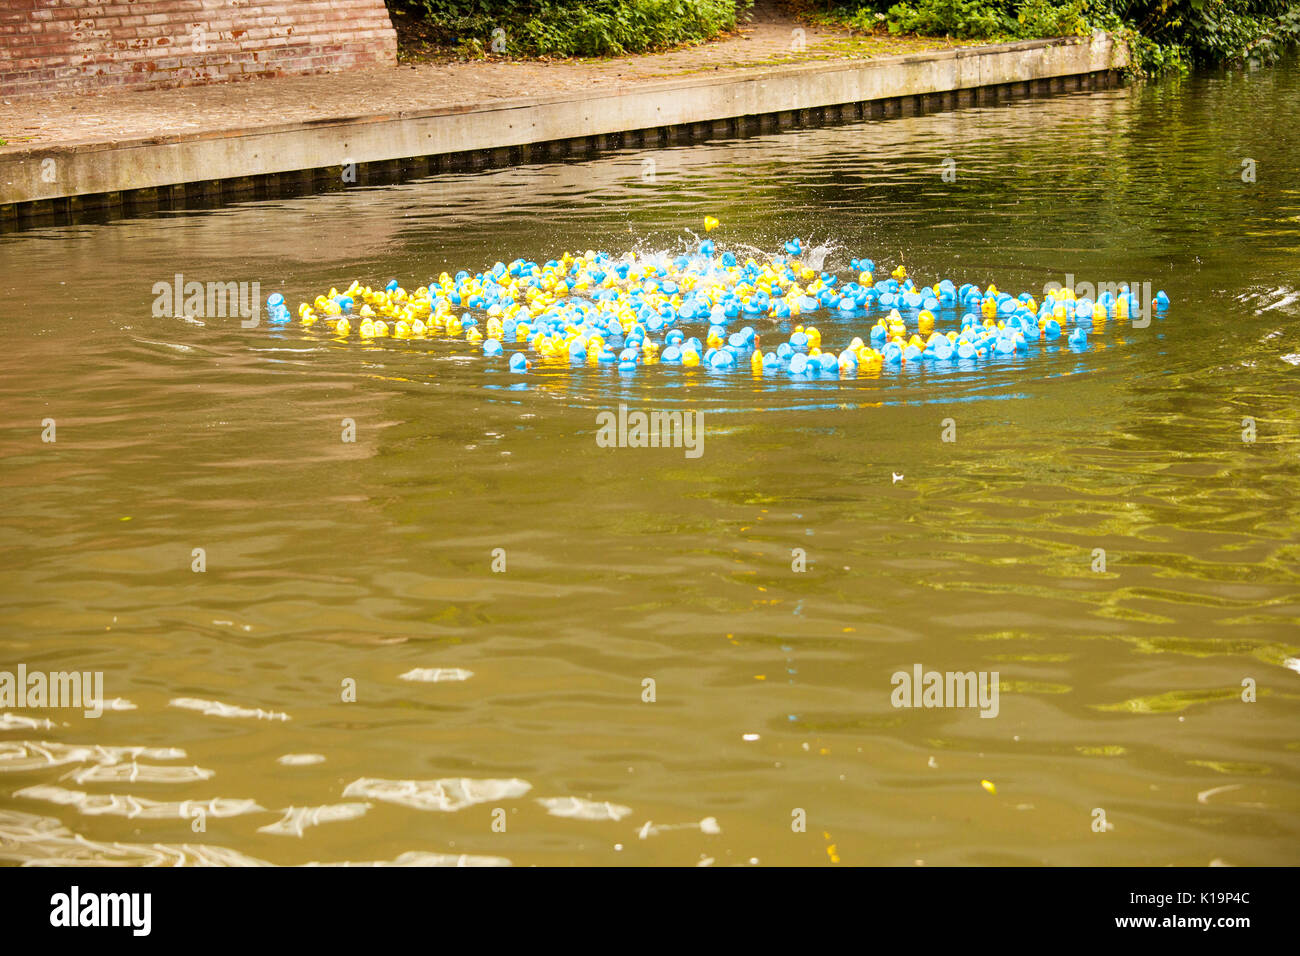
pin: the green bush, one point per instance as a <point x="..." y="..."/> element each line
<point x="1042" y="18"/>
<point x="575" y="27"/>
<point x="1215" y="31"/>
<point x="1149" y="58"/>
<point x="1163" y="34"/>
<point x="967" y="19"/>
<point x="973" y="19"/>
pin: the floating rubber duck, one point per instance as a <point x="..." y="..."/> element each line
<point x="591" y="310"/>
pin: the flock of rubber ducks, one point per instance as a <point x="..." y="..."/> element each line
<point x="593" y="309"/>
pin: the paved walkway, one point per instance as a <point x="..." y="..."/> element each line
<point x="63" y="120"/>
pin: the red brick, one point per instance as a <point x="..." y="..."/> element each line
<point x="51" y="45"/>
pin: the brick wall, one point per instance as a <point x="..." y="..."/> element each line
<point x="51" y="46"/>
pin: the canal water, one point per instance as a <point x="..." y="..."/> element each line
<point x="1101" y="533"/>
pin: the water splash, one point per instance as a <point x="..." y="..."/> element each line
<point x="32" y="840"/>
<point x="298" y="819"/>
<point x="126" y="805"/>
<point x="300" y="760"/>
<point x="18" y="756"/>
<point x="215" y="708"/>
<point x="448" y="795"/>
<point x="579" y="809"/>
<point x="138" y="773"/>
<point x="433" y="675"/>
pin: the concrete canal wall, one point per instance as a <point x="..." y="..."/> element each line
<point x="260" y="161"/>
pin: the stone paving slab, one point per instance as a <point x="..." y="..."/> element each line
<point x="107" y="118"/>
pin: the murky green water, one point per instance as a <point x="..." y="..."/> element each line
<point x="330" y="562"/>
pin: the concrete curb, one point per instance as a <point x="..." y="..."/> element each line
<point x="108" y="168"/>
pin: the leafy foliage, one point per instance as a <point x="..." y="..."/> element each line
<point x="1163" y="35"/>
<point x="573" y="27"/>
<point x="967" y="19"/>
